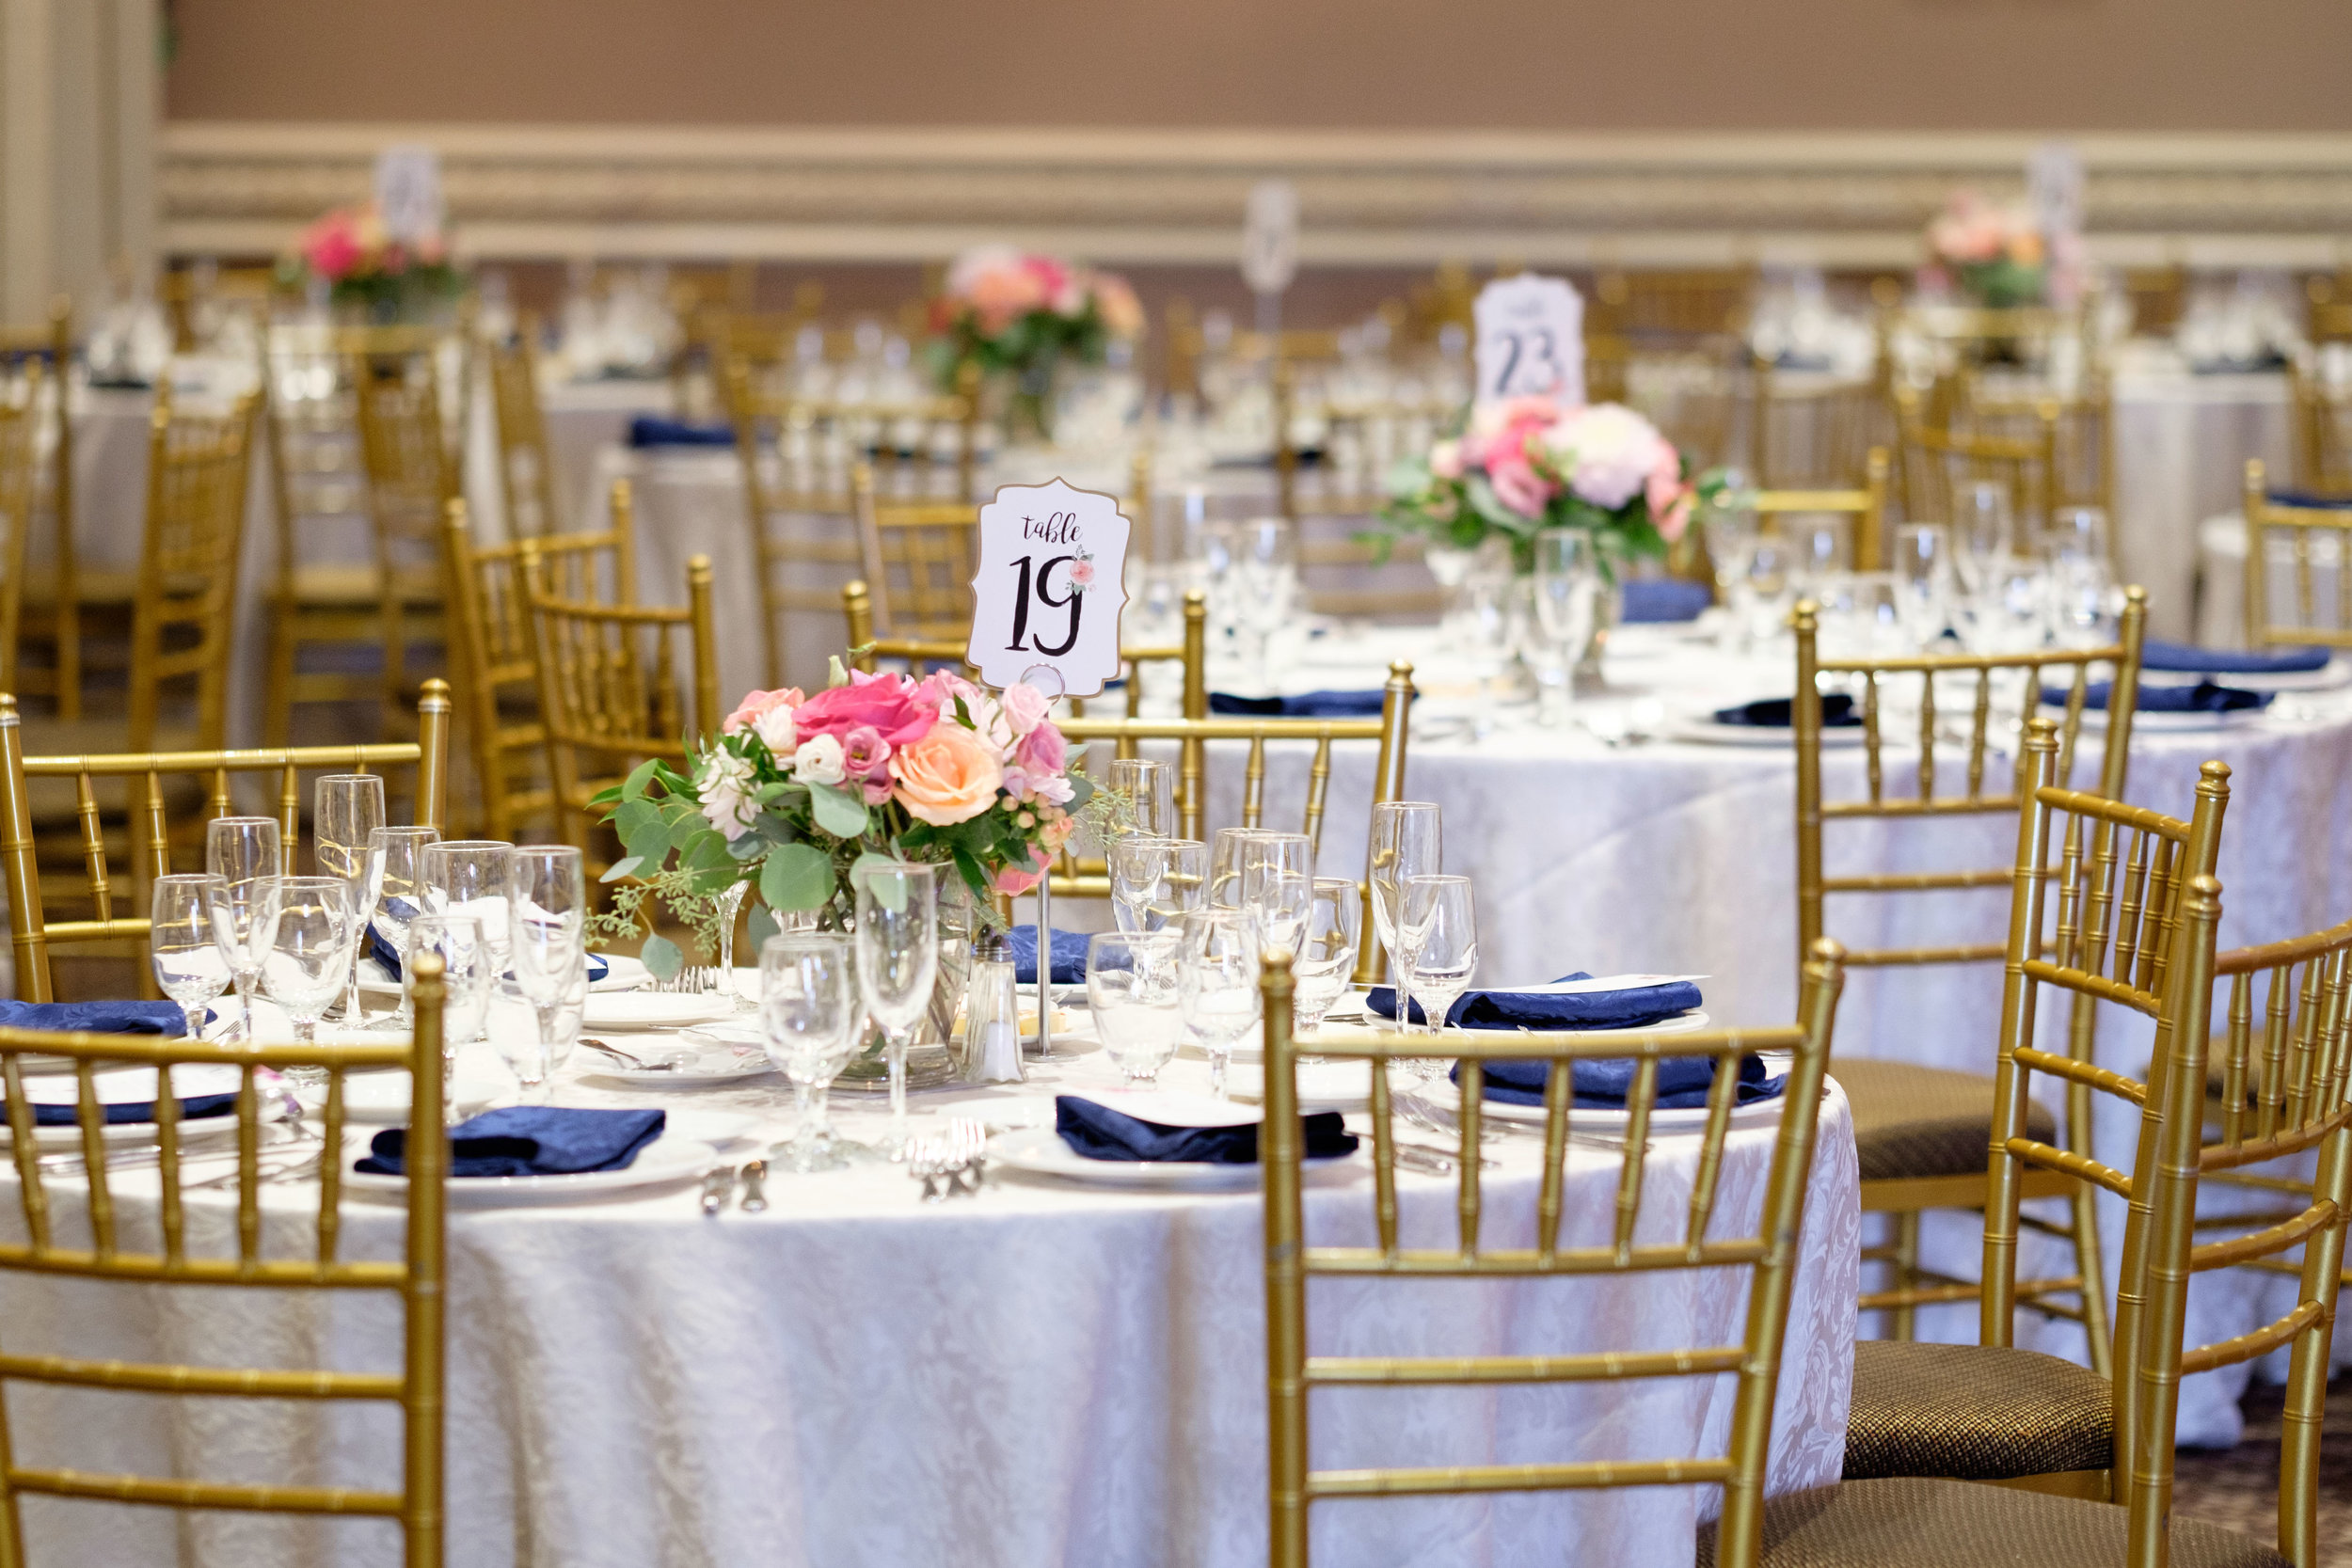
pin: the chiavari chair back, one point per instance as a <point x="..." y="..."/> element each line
<point x="526" y="464"/>
<point x="1357" y="437"/>
<point x="1190" y="739"/>
<point x="2317" y="545"/>
<point x="20" y="420"/>
<point x="2329" y="317"/>
<point x="499" y="656"/>
<point x="1769" y="1251"/>
<point x="918" y="558"/>
<point x="1811" y="434"/>
<point x="1867" y="506"/>
<point x="1686" y="303"/>
<point x="2322" y="432"/>
<point x="609" y="678"/>
<point x="1907" y="1187"/>
<point x="1936" y="457"/>
<point x="2082" y="432"/>
<point x="2158" y="297"/>
<point x="200" y="1245"/>
<point x="182" y="625"/>
<point x="41" y="359"/>
<point x="412" y="475"/>
<point x="157" y="825"/>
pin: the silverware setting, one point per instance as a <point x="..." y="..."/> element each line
<point x="718" y="1187"/>
<point x="755" y="1187"/>
<point x="635" y="1064"/>
<point x="952" y="1165"/>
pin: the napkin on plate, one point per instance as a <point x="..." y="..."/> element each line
<point x="2183" y="657"/>
<point x="651" y="430"/>
<point x="1069" y="957"/>
<point x="1776" y="713"/>
<point x="387" y="959"/>
<point x="96" y="1018"/>
<point x="2204" y="697"/>
<point x="1602" y="1085"/>
<point x="1306" y="704"/>
<point x="1096" y="1132"/>
<point x="1629" y="1006"/>
<point x="529" y="1140"/>
<point x="1656" y="599"/>
<point x="192" y="1108"/>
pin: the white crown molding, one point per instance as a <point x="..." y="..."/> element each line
<point x="1370" y="197"/>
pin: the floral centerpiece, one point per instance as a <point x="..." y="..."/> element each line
<point x="797" y="789"/>
<point x="363" y="266"/>
<point x="1993" y="254"/>
<point x="1524" y="464"/>
<point x="1016" y="315"/>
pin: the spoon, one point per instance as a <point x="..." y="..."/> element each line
<point x="638" y="1063"/>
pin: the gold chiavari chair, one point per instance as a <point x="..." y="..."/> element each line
<point x="526" y="464"/>
<point x="412" y="474"/>
<point x="183" y="623"/>
<point x="1867" y="506"/>
<point x="114" y="1254"/>
<point x="2329" y="318"/>
<point x="2322" y="432"/>
<point x="2082" y="434"/>
<point x="42" y="358"/>
<point x="1359" y="438"/>
<point x="1769" y="1251"/>
<point x="1933" y="458"/>
<point x="20" y="420"/>
<point x="918" y="557"/>
<point x="1921" y="1131"/>
<point x="1689" y="303"/>
<point x="2317" y="541"/>
<point x="499" y="655"/>
<point x="2158" y="295"/>
<point x="1190" y="738"/>
<point x="609" y="678"/>
<point x="1811" y="434"/>
<point x="162" y="819"/>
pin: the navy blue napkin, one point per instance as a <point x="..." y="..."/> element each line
<point x="1632" y="1008"/>
<point x="97" y="1018"/>
<point x="385" y="954"/>
<point x="2310" y="498"/>
<point x="1306" y="704"/>
<point x="649" y="430"/>
<point x="1098" y="1132"/>
<point x="1069" y="957"/>
<point x="2204" y="697"/>
<point x="1649" y="600"/>
<point x="529" y="1140"/>
<point x="2184" y="657"/>
<point x="193" y="1108"/>
<point x="1776" y="713"/>
<point x="1602" y="1085"/>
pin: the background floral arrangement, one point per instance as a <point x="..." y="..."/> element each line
<point x="1995" y="255"/>
<point x="362" y="264"/>
<point x="1523" y="464"/>
<point x="1016" y="312"/>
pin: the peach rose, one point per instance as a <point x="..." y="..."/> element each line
<point x="755" y="706"/>
<point x="948" y="776"/>
<point x="1017" y="882"/>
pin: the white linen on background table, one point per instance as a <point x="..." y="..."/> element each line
<point x="1047" y="1374"/>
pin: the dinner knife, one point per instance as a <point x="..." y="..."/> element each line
<point x="718" y="1186"/>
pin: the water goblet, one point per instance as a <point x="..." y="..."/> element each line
<point x="240" y="852"/>
<point x="1438" y="937"/>
<point x="535" y="1057"/>
<point x="1983" y="530"/>
<point x="809" y="1018"/>
<point x="306" y="960"/>
<point x="898" y="963"/>
<point x="467" y="875"/>
<point x="1568" y="583"/>
<point x="1327" y="951"/>
<point x="189" y="964"/>
<point x="546" y="897"/>
<point x="1406" y="841"/>
<point x="1225" y="857"/>
<point x="349" y="807"/>
<point x="1150" y="788"/>
<point x="457" y="939"/>
<point x="1218" y="982"/>
<point x="1924" y="580"/>
<point x="395" y="896"/>
<point x="241" y="914"/>
<point x="1135" y="994"/>
<point x="1153" y="881"/>
<point x="1277" y="878"/>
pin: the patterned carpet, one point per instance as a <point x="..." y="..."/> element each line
<point x="2239" y="1487"/>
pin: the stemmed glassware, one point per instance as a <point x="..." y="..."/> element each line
<point x="395" y="896"/>
<point x="241" y="855"/>
<point x="1984" y="531"/>
<point x="810" y="1021"/>
<point x="1437" y="936"/>
<point x="190" y="966"/>
<point x="1924" y="582"/>
<point x="1277" y="879"/>
<point x="1265" y="575"/>
<point x="467" y="875"/>
<point x="1155" y="880"/>
<point x="1406" y="843"/>
<point x="1150" y="787"/>
<point x="1325" y="965"/>
<point x="1226" y="859"/>
<point x="897" y="961"/>
<point x="1217" y="981"/>
<point x="1730" y="530"/>
<point x="2081" y="574"/>
<point x="547" y="896"/>
<point x="1134" y="992"/>
<point x="306" y="959"/>
<point x="468" y="977"/>
<point x="1567" y="580"/>
<point x="350" y="807"/>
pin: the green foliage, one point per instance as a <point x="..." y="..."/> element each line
<point x="838" y="812"/>
<point x="795" y="877"/>
<point x="662" y="957"/>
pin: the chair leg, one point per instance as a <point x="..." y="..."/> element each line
<point x="2092" y="1267"/>
<point x="1906" y="1269"/>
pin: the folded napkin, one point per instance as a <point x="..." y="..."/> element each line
<point x="1069" y="957"/>
<point x="386" y="954"/>
<point x="1096" y="1132"/>
<point x="529" y="1140"/>
<point x="1306" y="704"/>
<point x="1655" y="599"/>
<point x="1602" y="1085"/>
<point x="1629" y="1009"/>
<point x="2181" y="656"/>
<point x="649" y="430"/>
<point x="96" y="1018"/>
<point x="1776" y="713"/>
<point x="2310" y="498"/>
<point x="192" y="1108"/>
<point x="2204" y="697"/>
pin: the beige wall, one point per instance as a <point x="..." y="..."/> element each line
<point x="2082" y="65"/>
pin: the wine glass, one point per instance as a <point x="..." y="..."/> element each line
<point x="306" y="960"/>
<point x="242" y="852"/>
<point x="395" y="896"/>
<point x="1437" y="938"/>
<point x="467" y="875"/>
<point x="1982" y="530"/>
<point x="1567" y="583"/>
<point x="534" y="1057"/>
<point x="1327" y="951"/>
<point x="1134" y="993"/>
<point x="1923" y="581"/>
<point x="2081" y="574"/>
<point x="1226" y="857"/>
<point x="1150" y="790"/>
<point x="546" y="897"/>
<point x="464" y="970"/>
<point x="1217" y="980"/>
<point x="897" y="961"/>
<point x="189" y="966"/>
<point x="1155" y="880"/>
<point x="1278" y="882"/>
<point x="1266" y="573"/>
<point x="1730" y="530"/>
<point x="350" y="806"/>
<point x="809" y="1018"/>
<point x="1406" y="841"/>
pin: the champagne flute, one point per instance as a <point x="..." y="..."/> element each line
<point x="547" y="896"/>
<point x="897" y="961"/>
<point x="1406" y="841"/>
<point x="1278" y="881"/>
<point x="1437" y="936"/>
<point x="467" y="875"/>
<point x="1134" y="992"/>
<point x="306" y="960"/>
<point x="350" y="807"/>
<point x="395" y="897"/>
<point x="1217" y="981"/>
<point x="535" y="1057"/>
<point x="189" y="966"/>
<point x="1150" y="790"/>
<point x="466" y="971"/>
<point x="809" y="1018"/>
<point x="1326" y="950"/>
<point x="242" y="852"/>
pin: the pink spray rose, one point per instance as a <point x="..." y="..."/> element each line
<point x="1669" y="499"/>
<point x="1504" y="432"/>
<point x="1043" y="753"/>
<point x="866" y="761"/>
<point x="1606" y="452"/>
<point x="1024" y="707"/>
<point x="1017" y="882"/>
<point x="894" y="707"/>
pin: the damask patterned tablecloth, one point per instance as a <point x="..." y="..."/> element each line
<point x="1042" y="1374"/>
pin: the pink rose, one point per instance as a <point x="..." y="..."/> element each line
<point x="1445" y="460"/>
<point x="331" y="247"/>
<point x="1081" y="574"/>
<point x="757" y="706"/>
<point x="1024" y="707"/>
<point x="1669" y="497"/>
<point x="947" y="776"/>
<point x="864" y="755"/>
<point x="894" y="707"/>
<point x="1016" y="882"/>
<point x="1042" y="752"/>
<point x="1507" y="432"/>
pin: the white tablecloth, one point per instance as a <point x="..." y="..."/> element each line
<point x="2181" y="446"/>
<point x="1045" y="1375"/>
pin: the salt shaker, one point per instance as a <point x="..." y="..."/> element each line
<point x="991" y="1014"/>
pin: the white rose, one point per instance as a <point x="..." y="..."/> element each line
<point x="1605" y="452"/>
<point x="724" y="790"/>
<point x="776" y="731"/>
<point x="818" y="761"/>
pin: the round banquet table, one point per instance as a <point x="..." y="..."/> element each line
<point x="1043" y="1374"/>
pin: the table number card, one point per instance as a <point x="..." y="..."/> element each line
<point x="408" y="192"/>
<point x="1050" y="587"/>
<point x="1530" y="339"/>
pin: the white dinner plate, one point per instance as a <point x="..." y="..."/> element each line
<point x="1040" y="1151"/>
<point x="622" y="973"/>
<point x="381" y="1099"/>
<point x="1322" y="1086"/>
<point x="2335" y="672"/>
<point x="665" y="1160"/>
<point x="1708" y="731"/>
<point x="654" y="1009"/>
<point x="2168" y="724"/>
<point x="714" y="1053"/>
<point x="136" y="1085"/>
<point x="1444" y="1096"/>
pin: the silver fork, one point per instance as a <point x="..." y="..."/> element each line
<point x="927" y="1160"/>
<point x="967" y="1147"/>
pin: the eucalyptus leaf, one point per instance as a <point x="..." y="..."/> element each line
<point x="626" y="866"/>
<point x="885" y="874"/>
<point x="797" y="877"/>
<point x="837" y="812"/>
<point x="749" y="847"/>
<point x="661" y="958"/>
<point x="762" y="926"/>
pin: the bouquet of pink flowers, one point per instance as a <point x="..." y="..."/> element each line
<point x="1018" y="313"/>
<point x="1992" y="254"/>
<point x="797" y="788"/>
<point x="1524" y="464"/>
<point x="361" y="263"/>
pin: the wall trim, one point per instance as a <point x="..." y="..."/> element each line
<point x="1370" y="198"/>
